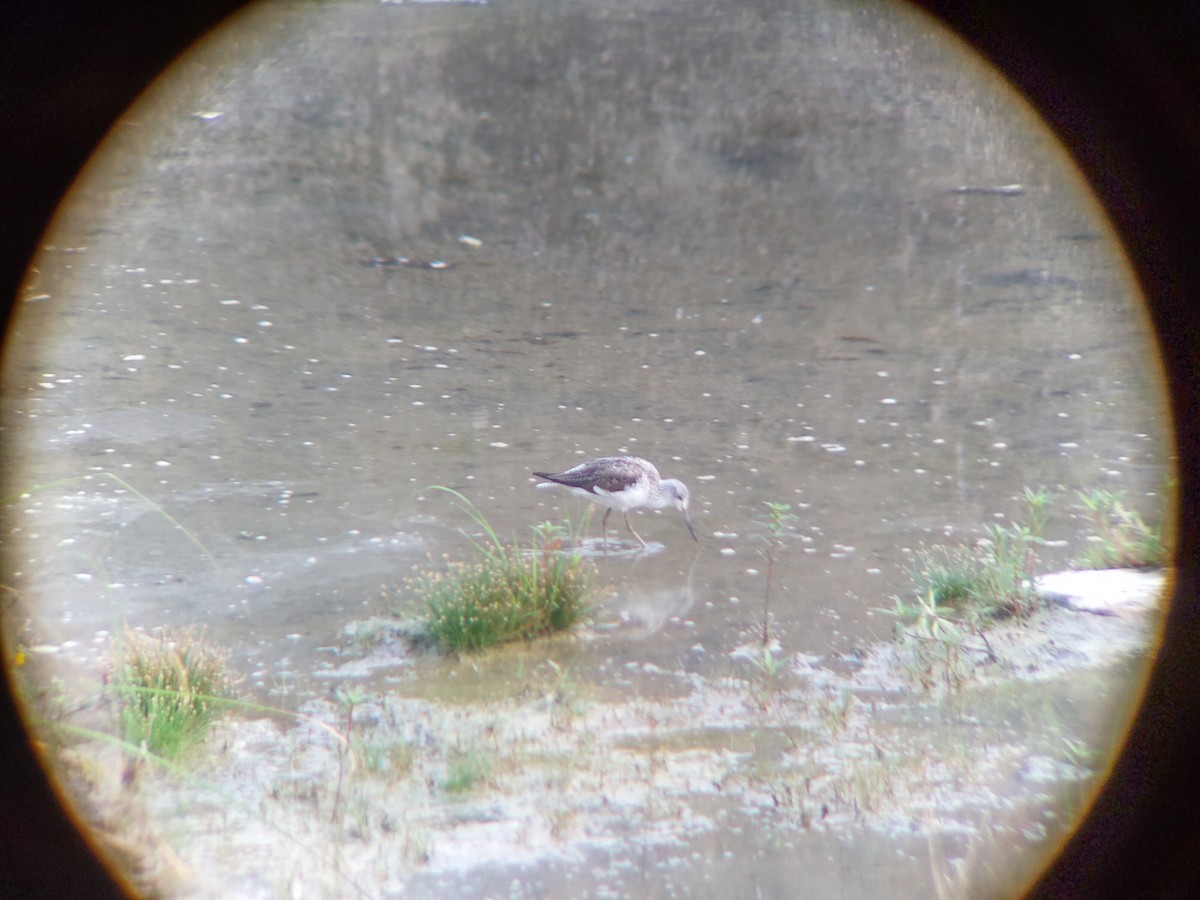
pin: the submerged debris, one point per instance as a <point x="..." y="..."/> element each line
<point x="1001" y="190"/>
<point x="403" y="262"/>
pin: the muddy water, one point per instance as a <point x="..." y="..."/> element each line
<point x="814" y="256"/>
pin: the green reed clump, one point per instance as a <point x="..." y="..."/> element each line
<point x="172" y="687"/>
<point x="506" y="593"/>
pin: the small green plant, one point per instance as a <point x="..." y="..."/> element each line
<point x="927" y="616"/>
<point x="1119" y="536"/>
<point x="778" y="522"/>
<point x="1038" y="503"/>
<point x="506" y="593"/>
<point x="935" y="639"/>
<point x="768" y="664"/>
<point x="550" y="537"/>
<point x="1009" y="568"/>
<point x="172" y="688"/>
<point x="466" y="768"/>
<point x="564" y="692"/>
<point x="1076" y="752"/>
<point x="766" y="690"/>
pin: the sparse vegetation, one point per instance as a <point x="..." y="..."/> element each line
<point x="960" y="589"/>
<point x="994" y="576"/>
<point x="1119" y="536"/>
<point x="172" y="687"/>
<point x="507" y="593"/>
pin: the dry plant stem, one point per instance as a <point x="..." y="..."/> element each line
<point x="343" y="752"/>
<point x="777" y="522"/>
<point x="337" y="794"/>
<point x="766" y="628"/>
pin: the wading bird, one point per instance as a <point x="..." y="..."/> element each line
<point x="624" y="483"/>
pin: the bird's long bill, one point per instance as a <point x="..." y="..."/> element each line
<point x="687" y="520"/>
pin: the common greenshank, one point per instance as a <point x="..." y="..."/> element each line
<point x="624" y="483"/>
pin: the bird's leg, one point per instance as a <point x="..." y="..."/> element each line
<point x="634" y="533"/>
<point x="604" y="529"/>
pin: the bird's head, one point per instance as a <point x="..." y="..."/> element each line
<point x="680" y="498"/>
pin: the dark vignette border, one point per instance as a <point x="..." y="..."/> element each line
<point x="1120" y="84"/>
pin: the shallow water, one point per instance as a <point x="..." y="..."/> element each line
<point x="818" y="257"/>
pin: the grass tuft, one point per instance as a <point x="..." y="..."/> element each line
<point x="466" y="768"/>
<point x="993" y="577"/>
<point x="172" y="687"/>
<point x="506" y="593"/>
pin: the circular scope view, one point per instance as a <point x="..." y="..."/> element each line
<point x="605" y="449"/>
